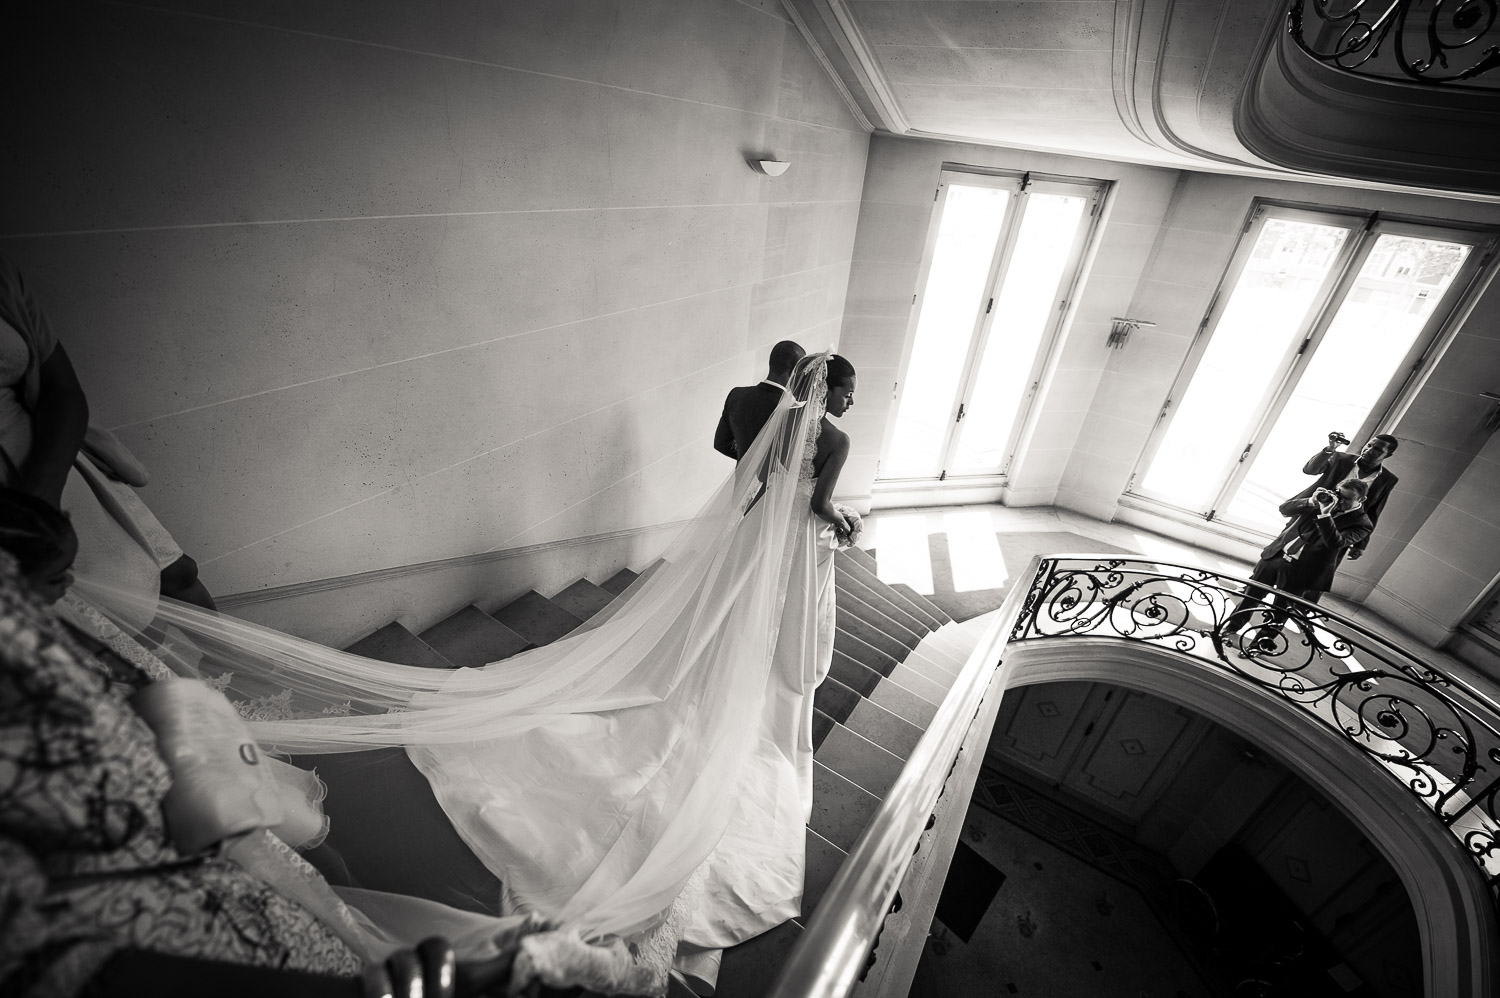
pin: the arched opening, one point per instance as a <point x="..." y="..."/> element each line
<point x="1455" y="913"/>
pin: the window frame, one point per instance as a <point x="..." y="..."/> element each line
<point x="1020" y="185"/>
<point x="1365" y="230"/>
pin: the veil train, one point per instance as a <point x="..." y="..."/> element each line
<point x="643" y="781"/>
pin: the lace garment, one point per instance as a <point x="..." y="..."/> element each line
<point x="89" y="870"/>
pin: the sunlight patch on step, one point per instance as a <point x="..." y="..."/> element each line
<point x="902" y="551"/>
<point x="974" y="551"/>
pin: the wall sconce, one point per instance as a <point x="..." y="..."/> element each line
<point x="770" y="167"/>
<point x="1121" y="328"/>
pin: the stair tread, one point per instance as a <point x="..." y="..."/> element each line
<point x="394" y="643"/>
<point x="862" y="567"/>
<point x="890" y="731"/>
<point x="868" y="561"/>
<point x="852" y="606"/>
<point x="471" y="638"/>
<point x="620" y="581"/>
<point x="841" y="809"/>
<point x="536" y="618"/>
<point x="419" y="853"/>
<point x="859" y="760"/>
<point x="874" y="635"/>
<point x="583" y="599"/>
<point x="749" y="970"/>
<point x="877" y="594"/>
<point x="823" y="862"/>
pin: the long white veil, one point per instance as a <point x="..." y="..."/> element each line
<point x="668" y="690"/>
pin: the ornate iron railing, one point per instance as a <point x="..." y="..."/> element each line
<point x="1447" y="43"/>
<point x="1434" y="733"/>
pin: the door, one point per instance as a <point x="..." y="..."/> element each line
<point x="1002" y="259"/>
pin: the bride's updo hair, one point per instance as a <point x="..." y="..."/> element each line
<point x="839" y="370"/>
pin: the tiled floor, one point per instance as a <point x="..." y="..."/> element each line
<point x="1057" y="928"/>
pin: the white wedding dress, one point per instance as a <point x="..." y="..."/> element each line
<point x="642" y="783"/>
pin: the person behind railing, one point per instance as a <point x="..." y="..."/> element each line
<point x="1302" y="559"/>
<point x="1335" y="467"/>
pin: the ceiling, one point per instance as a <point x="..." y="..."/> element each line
<point x="1203" y="84"/>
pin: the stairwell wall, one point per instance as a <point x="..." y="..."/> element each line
<point x="369" y="284"/>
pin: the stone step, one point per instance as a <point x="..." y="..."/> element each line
<point x="471" y="638"/>
<point x="890" y="731"/>
<point x="749" y="970"/>
<point x="856" y="647"/>
<point x="419" y="852"/>
<point x="851" y="604"/>
<point x="823" y="862"/>
<point x="862" y="567"/>
<point x="887" y="693"/>
<point x="873" y="686"/>
<point x="392" y="835"/>
<point x="853" y="577"/>
<point x="841" y="810"/>
<point x="583" y="599"/>
<point x="620" y="581"/>
<point x="394" y="643"/>
<point x="868" y="561"/>
<point x="536" y="618"/>
<point x="859" y="760"/>
<point x="872" y="634"/>
<point x="924" y="604"/>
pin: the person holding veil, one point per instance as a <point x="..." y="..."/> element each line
<point x="640" y="785"/>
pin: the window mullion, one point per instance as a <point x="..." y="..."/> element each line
<point x="1316" y="324"/>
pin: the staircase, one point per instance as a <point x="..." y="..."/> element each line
<point x="893" y="662"/>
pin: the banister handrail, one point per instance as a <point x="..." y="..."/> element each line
<point x="827" y="959"/>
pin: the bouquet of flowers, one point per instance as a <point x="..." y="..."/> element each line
<point x="856" y="525"/>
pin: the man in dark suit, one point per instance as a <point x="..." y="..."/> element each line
<point x="747" y="409"/>
<point x="1334" y="467"/>
<point x="1302" y="558"/>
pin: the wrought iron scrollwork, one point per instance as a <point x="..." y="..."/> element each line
<point x="1434" y="734"/>
<point x="1442" y="42"/>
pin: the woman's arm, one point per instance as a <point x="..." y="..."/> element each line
<point x="828" y="478"/>
<point x="58" y="423"/>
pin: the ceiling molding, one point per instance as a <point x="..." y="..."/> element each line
<point x="790" y="8"/>
<point x="842" y="48"/>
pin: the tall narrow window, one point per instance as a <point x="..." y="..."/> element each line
<point x="1322" y="320"/>
<point x="1003" y="255"/>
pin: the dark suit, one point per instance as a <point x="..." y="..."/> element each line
<point x="1318" y="543"/>
<point x="1334" y="468"/>
<point x="746" y="411"/>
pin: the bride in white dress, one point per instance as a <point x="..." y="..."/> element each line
<point x="642" y="783"/>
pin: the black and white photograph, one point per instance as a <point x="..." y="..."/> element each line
<point x="750" y="499"/>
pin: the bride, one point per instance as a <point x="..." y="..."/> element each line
<point x="642" y="783"/>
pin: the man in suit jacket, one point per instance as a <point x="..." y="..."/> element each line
<point x="747" y="409"/>
<point x="1302" y="558"/>
<point x="1334" y="467"/>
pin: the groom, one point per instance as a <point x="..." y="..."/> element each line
<point x="747" y="409"/>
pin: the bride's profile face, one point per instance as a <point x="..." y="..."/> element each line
<point x="840" y="397"/>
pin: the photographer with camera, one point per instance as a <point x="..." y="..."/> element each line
<point x="1334" y="467"/>
<point x="1301" y="560"/>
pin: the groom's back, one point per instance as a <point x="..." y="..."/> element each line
<point x="746" y="411"/>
